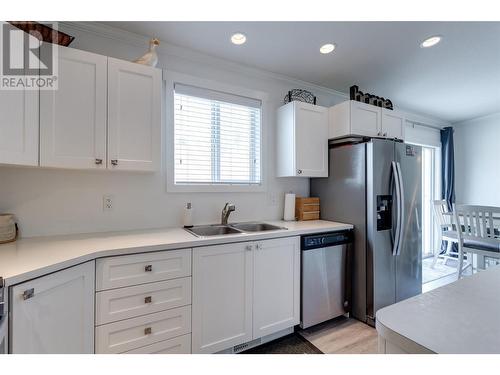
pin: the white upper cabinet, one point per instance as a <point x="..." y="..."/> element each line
<point x="393" y="124"/>
<point x="365" y="119"/>
<point x="54" y="314"/>
<point x="73" y="117"/>
<point x="276" y="280"/>
<point x="353" y="118"/>
<point x="19" y="127"/>
<point x="105" y="114"/>
<point x="134" y="116"/>
<point x="302" y="140"/>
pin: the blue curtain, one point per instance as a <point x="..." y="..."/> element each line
<point x="448" y="173"/>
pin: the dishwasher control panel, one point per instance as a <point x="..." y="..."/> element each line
<point x="326" y="239"/>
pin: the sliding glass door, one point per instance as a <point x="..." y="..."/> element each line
<point x="431" y="191"/>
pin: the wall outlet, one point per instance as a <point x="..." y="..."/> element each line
<point x="107" y="202"/>
<point x="272" y="198"/>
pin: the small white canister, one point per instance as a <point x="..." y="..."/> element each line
<point x="8" y="229"/>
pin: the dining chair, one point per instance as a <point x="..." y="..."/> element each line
<point x="446" y="232"/>
<point x="478" y="231"/>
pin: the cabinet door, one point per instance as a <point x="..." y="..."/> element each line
<point x="222" y="297"/>
<point x="19" y="127"/>
<point x="134" y="116"/>
<point x="311" y="140"/>
<point x="276" y="285"/>
<point x="366" y="119"/>
<point x="393" y="124"/>
<point x="54" y="313"/>
<point x="73" y="117"/>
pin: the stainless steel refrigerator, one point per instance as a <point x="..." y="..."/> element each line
<point x="376" y="185"/>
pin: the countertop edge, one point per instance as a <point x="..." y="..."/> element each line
<point x="403" y="342"/>
<point x="93" y="254"/>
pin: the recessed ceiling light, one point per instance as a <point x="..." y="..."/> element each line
<point x="431" y="41"/>
<point x="327" y="48"/>
<point x="238" y="38"/>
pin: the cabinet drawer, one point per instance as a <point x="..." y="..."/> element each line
<point x="127" y="270"/>
<point x="177" y="345"/>
<point x="126" y="335"/>
<point x="124" y="303"/>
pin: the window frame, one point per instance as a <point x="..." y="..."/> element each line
<point x="170" y="79"/>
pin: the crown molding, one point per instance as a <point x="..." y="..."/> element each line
<point x="165" y="48"/>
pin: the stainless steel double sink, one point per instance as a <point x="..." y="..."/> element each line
<point x="221" y="230"/>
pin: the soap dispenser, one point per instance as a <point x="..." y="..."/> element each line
<point x="188" y="216"/>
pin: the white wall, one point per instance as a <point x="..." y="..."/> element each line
<point x="477" y="156"/>
<point x="48" y="202"/>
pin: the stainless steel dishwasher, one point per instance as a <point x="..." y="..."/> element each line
<point x="326" y="286"/>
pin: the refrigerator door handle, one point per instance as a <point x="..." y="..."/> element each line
<point x="402" y="208"/>
<point x="397" y="187"/>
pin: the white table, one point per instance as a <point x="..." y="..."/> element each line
<point x="462" y="317"/>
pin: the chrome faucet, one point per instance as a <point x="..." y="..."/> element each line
<point x="228" y="208"/>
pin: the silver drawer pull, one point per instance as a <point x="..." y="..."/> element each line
<point x="148" y="299"/>
<point x="148" y="331"/>
<point x="29" y="293"/>
<point x="98" y="161"/>
<point x="148" y="268"/>
<point x="114" y="161"/>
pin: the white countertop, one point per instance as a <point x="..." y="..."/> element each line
<point x="32" y="257"/>
<point x="462" y="317"/>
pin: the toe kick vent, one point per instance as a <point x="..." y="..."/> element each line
<point x="246" y="345"/>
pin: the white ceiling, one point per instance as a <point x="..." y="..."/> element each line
<point x="457" y="79"/>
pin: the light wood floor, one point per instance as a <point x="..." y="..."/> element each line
<point x="343" y="336"/>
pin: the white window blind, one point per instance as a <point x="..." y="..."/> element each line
<point x="217" y="138"/>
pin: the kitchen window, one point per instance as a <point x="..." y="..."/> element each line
<point x="217" y="138"/>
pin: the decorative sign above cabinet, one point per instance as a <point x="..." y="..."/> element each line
<point x="367" y="98"/>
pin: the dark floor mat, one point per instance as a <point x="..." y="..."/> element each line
<point x="290" y="344"/>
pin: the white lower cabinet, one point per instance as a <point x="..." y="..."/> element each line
<point x="128" y="270"/>
<point x="143" y="303"/>
<point x="129" y="334"/>
<point x="276" y="285"/>
<point x="123" y="303"/>
<point x="54" y="313"/>
<point x="222" y="296"/>
<point x="244" y="291"/>
<point x="177" y="345"/>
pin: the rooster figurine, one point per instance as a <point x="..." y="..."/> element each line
<point x="150" y="58"/>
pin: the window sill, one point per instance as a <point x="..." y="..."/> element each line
<point x="173" y="188"/>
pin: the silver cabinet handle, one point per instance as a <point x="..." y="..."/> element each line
<point x="299" y="171"/>
<point x="114" y="161"/>
<point x="29" y="293"/>
<point x="248" y="247"/>
<point x="148" y="299"/>
<point x="148" y="331"/>
<point x="98" y="161"/>
<point x="258" y="246"/>
<point x="385" y="134"/>
<point x="379" y="134"/>
<point x="148" y="268"/>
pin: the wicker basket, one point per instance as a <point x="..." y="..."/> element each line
<point x="8" y="228"/>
